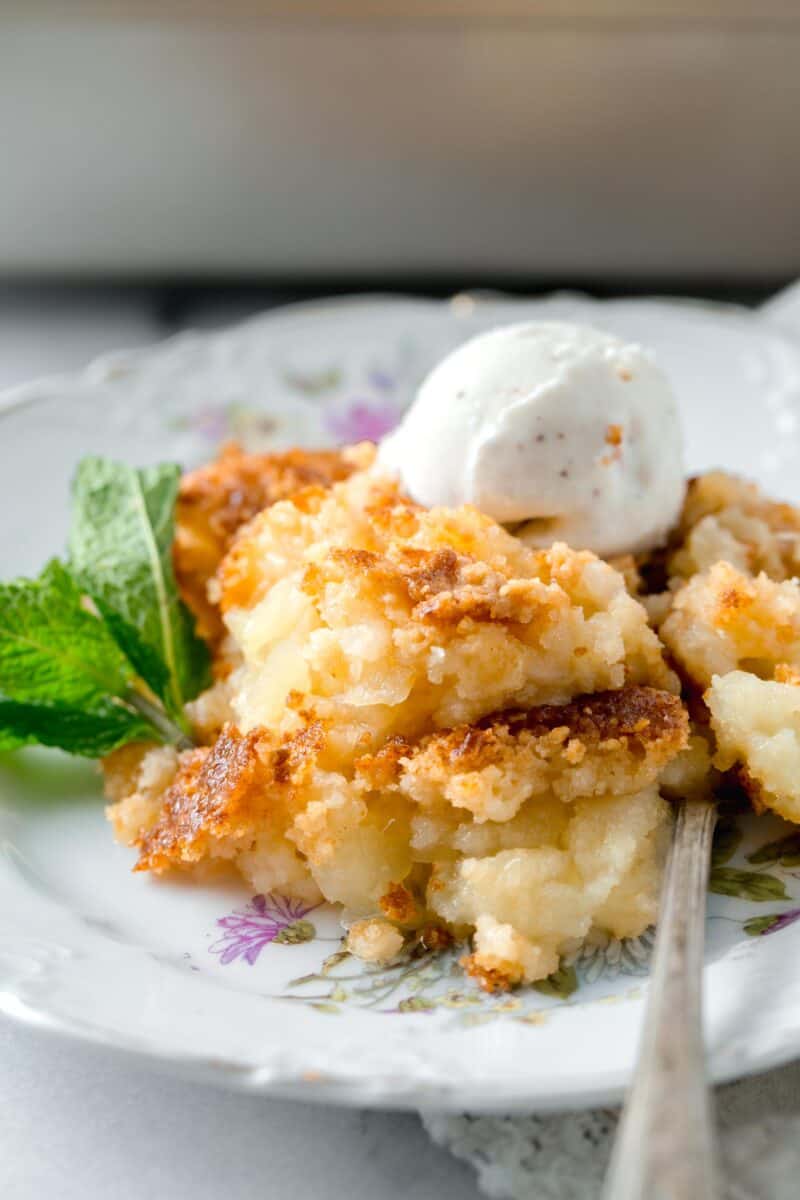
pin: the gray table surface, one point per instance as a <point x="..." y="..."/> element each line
<point x="82" y="1123"/>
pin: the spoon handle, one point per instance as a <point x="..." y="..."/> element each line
<point x="665" y="1145"/>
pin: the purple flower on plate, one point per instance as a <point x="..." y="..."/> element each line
<point x="381" y="380"/>
<point x="266" y="919"/>
<point x="362" y="421"/>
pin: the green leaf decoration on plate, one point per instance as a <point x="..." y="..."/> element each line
<point x="120" y="546"/>
<point x="561" y="983"/>
<point x="315" y="383"/>
<point x="416" y="1004"/>
<point x="293" y="935"/>
<point x="758" y="925"/>
<point x="333" y="961"/>
<point x="727" y="839"/>
<point x="746" y="885"/>
<point x="785" y="851"/>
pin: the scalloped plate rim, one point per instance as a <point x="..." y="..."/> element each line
<point x="308" y="1077"/>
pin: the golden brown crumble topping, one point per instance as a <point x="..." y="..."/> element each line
<point x="490" y="979"/>
<point x="212" y="789"/>
<point x="421" y="718"/>
<point x="727" y="519"/>
<point x="638" y="717"/>
<point x="399" y="905"/>
<point x="216" y="500"/>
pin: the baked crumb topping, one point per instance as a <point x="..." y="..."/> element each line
<point x="727" y="519"/>
<point x="421" y="718"/>
<point x="724" y="620"/>
<point x="216" y="500"/>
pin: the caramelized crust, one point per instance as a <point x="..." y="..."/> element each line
<point x="489" y="979"/>
<point x="637" y="718"/>
<point x="399" y="905"/>
<point x="213" y="791"/>
<point x="607" y="742"/>
<point x="223" y="795"/>
<point x="640" y="721"/>
<point x="216" y="500"/>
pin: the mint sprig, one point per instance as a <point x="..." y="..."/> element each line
<point x="102" y="652"/>
<point x="120" y="548"/>
<point x="10" y="740"/>
<point x="52" y="647"/>
<point x="63" y="679"/>
<point x="90" y="731"/>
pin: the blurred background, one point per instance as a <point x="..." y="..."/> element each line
<point x="174" y="162"/>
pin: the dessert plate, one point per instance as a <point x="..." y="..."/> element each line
<point x="255" y="992"/>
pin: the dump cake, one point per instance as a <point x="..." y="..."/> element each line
<point x="421" y="706"/>
<point x="457" y="728"/>
<point x="445" y="717"/>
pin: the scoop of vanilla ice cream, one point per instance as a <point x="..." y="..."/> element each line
<point x="559" y="425"/>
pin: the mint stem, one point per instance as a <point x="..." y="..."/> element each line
<point x="153" y="713"/>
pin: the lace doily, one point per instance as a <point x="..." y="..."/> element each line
<point x="563" y="1157"/>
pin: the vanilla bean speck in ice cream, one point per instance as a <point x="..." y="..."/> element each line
<point x="562" y="431"/>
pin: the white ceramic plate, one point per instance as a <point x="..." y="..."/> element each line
<point x="249" y="991"/>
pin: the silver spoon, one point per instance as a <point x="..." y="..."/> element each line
<point x="665" y="1145"/>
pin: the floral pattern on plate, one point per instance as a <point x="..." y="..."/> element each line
<point x="428" y="982"/>
<point x="341" y="400"/>
<point x="266" y="919"/>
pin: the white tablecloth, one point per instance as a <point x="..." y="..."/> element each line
<point x="564" y="1157"/>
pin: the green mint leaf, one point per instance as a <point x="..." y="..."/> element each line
<point x="10" y="741"/>
<point x="87" y="732"/>
<point x="52" y="648"/>
<point x="63" y="679"/>
<point x="121" y="551"/>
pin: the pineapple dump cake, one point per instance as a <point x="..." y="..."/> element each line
<point x="458" y="729"/>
